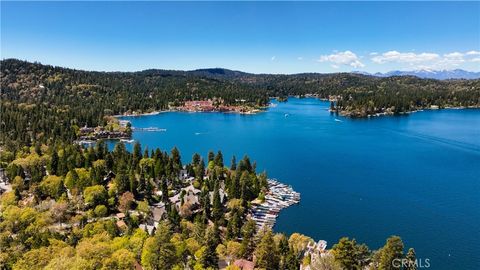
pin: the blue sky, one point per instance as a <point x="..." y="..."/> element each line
<point x="260" y="37"/>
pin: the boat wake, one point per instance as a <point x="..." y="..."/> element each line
<point x="439" y="140"/>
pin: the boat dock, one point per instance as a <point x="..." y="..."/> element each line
<point x="153" y="129"/>
<point x="279" y="196"/>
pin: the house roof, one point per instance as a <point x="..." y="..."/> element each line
<point x="121" y="224"/>
<point x="244" y="264"/>
<point x="192" y="189"/>
<point x="158" y="212"/>
<point x="147" y="228"/>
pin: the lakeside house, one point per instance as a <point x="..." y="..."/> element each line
<point x="315" y="251"/>
<point x="215" y="105"/>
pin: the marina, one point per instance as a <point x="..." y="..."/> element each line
<point x="278" y="197"/>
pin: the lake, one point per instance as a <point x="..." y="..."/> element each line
<point x="416" y="176"/>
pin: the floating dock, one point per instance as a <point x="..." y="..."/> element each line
<point x="279" y="196"/>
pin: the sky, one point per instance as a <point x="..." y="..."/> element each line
<point x="257" y="37"/>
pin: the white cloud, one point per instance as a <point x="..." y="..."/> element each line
<point x="273" y="58"/>
<point x="453" y="59"/>
<point x="454" y="55"/>
<point x="346" y="58"/>
<point x="408" y="57"/>
<point x="477" y="59"/>
<point x="373" y="53"/>
<point x="299" y="58"/>
<point x="473" y="53"/>
<point x="426" y="60"/>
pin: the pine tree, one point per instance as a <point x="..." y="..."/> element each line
<point x="245" y="186"/>
<point x="164" y="187"/>
<point x="248" y="238"/>
<point x="137" y="154"/>
<point x="206" y="205"/>
<point x="393" y="250"/>
<point x="123" y="182"/>
<point x="233" y="164"/>
<point x="217" y="211"/>
<point x="63" y="166"/>
<point x="133" y="182"/>
<point x="266" y="253"/>
<point x="195" y="159"/>
<point x="211" y="156"/>
<point x="291" y="261"/>
<point x="109" y="161"/>
<point x="158" y="251"/>
<point x="53" y="167"/>
<point x="234" y="190"/>
<point x="173" y="216"/>
<point x="349" y="254"/>
<point x="38" y="148"/>
<point x="219" y="159"/>
<point x="209" y="257"/>
<point x="200" y="171"/>
<point x="159" y="170"/>
<point x="176" y="161"/>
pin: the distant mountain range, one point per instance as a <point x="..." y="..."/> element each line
<point x="430" y="74"/>
<point x="425" y="74"/>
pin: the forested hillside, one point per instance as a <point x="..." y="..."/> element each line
<point x="41" y="102"/>
<point x="70" y="207"/>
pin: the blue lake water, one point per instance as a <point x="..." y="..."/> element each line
<point x="416" y="176"/>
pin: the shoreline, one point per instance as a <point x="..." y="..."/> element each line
<point x="249" y="112"/>
<point x="353" y="115"/>
<point x="344" y="113"/>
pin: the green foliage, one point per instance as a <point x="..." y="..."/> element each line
<point x="209" y="256"/>
<point x="393" y="250"/>
<point x="122" y="259"/>
<point x="61" y="233"/>
<point x="326" y="262"/>
<point x="351" y="255"/>
<point x="266" y="253"/>
<point x="95" y="195"/>
<point x="78" y="178"/>
<point x="158" y="252"/>
<point x="52" y="186"/>
<point x="101" y="211"/>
